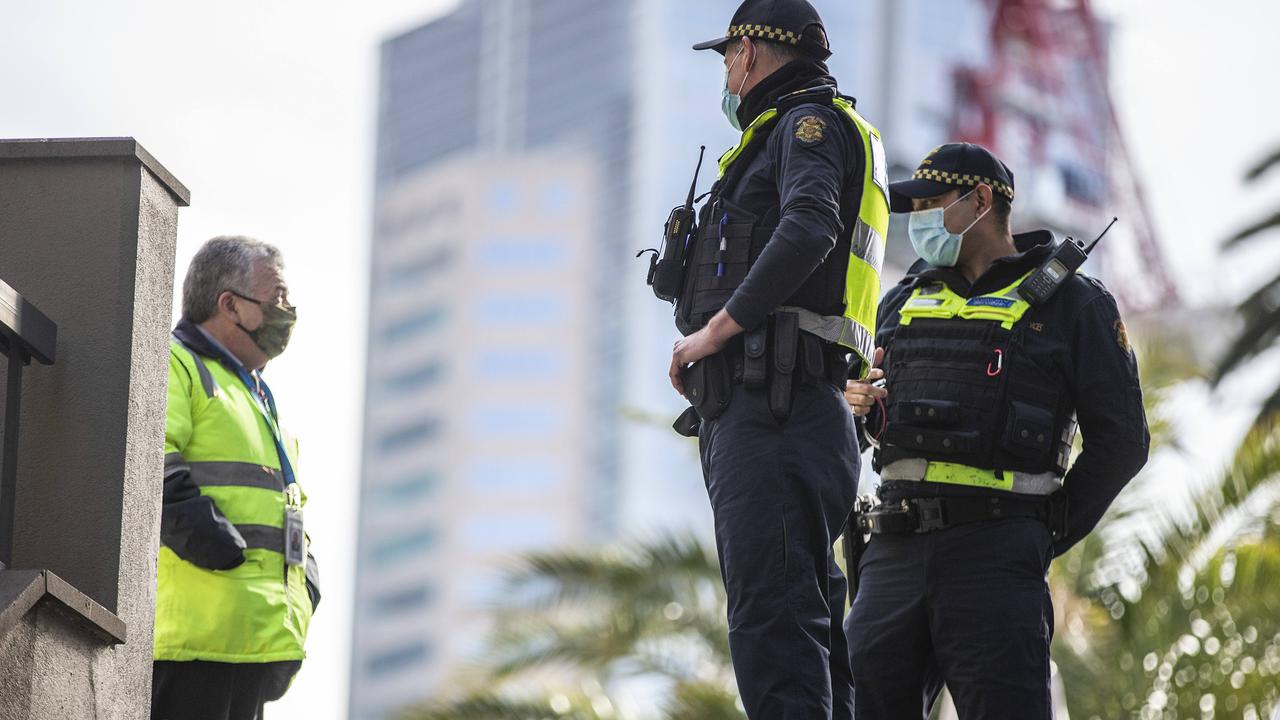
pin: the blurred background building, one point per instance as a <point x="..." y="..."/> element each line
<point x="516" y="391"/>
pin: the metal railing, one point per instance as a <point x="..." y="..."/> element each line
<point x="25" y="334"/>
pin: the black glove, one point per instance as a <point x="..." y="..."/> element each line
<point x="191" y="524"/>
<point x="313" y="581"/>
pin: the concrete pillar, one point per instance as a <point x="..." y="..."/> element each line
<point x="87" y="235"/>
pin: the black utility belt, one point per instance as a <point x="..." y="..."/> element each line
<point x="929" y="514"/>
<point x="776" y="359"/>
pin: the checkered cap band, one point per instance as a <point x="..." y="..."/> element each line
<point x="951" y="178"/>
<point x="763" y="32"/>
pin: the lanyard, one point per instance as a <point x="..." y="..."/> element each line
<point x="266" y="404"/>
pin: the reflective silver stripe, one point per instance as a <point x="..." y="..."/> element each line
<point x="867" y="245"/>
<point x="239" y="474"/>
<point x="835" y="329"/>
<point x="262" y="537"/>
<point x="174" y="462"/>
<point x="206" y="378"/>
<point x="914" y="469"/>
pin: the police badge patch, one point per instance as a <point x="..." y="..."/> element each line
<point x="810" y="130"/>
<point x="1122" y="337"/>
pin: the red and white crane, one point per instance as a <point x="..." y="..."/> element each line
<point x="1042" y="101"/>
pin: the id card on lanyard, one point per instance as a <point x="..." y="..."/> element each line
<point x="294" y="533"/>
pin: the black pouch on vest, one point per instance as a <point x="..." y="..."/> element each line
<point x="754" y="364"/>
<point x="1030" y="432"/>
<point x="786" y="335"/>
<point x="708" y="385"/>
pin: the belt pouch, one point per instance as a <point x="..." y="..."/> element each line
<point x="708" y="385"/>
<point x="786" y="335"/>
<point x="754" y="364"/>
<point x="688" y="423"/>
<point x="811" y="359"/>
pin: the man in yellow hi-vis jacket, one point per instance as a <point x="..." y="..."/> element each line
<point x="236" y="583"/>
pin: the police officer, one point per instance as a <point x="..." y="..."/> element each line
<point x="974" y="434"/>
<point x="236" y="584"/>
<point x="778" y="290"/>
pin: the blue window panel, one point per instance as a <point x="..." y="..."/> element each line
<point x="416" y="378"/>
<point x="513" y="474"/>
<point x="536" y="253"/>
<point x="415" y="325"/>
<point x="525" y="310"/>
<point x="404" y="600"/>
<point x="516" y="421"/>
<point x="407" y="490"/>
<point x="410" y="435"/>
<point x="398" y="659"/>
<point x="555" y="198"/>
<point x="522" y="365"/>
<point x="413" y="273"/>
<point x="504" y="198"/>
<point x="507" y="534"/>
<point x="397" y="548"/>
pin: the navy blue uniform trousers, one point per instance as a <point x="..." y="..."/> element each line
<point x="780" y="494"/>
<point x="968" y="606"/>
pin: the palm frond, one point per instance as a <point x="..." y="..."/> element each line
<point x="1262" y="167"/>
<point x="1260" y="313"/>
<point x="1252" y="231"/>
<point x="703" y="701"/>
<point x="487" y="706"/>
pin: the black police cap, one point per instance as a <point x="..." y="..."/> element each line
<point x="790" y="22"/>
<point x="948" y="167"/>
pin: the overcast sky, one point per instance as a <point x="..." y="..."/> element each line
<point x="265" y="110"/>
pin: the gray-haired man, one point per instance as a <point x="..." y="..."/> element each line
<point x="236" y="583"/>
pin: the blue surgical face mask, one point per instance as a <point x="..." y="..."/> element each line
<point x="730" y="102"/>
<point x="933" y="242"/>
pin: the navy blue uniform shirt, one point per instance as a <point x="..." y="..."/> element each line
<point x="1079" y="339"/>
<point x="804" y="182"/>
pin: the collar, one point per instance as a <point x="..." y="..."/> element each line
<point x="201" y="342"/>
<point x="1032" y="248"/>
<point x="797" y="75"/>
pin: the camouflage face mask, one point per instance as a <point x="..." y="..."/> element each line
<point x="278" y="319"/>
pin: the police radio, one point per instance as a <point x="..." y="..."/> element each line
<point x="666" y="267"/>
<point x="1062" y="264"/>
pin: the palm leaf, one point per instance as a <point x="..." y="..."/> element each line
<point x="1261" y="168"/>
<point x="1261" y="328"/>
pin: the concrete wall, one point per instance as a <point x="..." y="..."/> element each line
<point x="87" y="234"/>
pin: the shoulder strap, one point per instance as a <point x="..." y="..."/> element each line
<point x="206" y="377"/>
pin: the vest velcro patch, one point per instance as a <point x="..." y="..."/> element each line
<point x="811" y="130"/>
<point x="991" y="302"/>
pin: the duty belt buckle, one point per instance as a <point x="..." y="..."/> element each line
<point x="929" y="514"/>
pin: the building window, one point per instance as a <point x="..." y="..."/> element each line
<point x="555" y="198"/>
<point x="506" y="422"/>
<point x="513" y="474"/>
<point x="402" y="601"/>
<point x="406" y="490"/>
<point x="535" y="253"/>
<point x="414" y="272"/>
<point x="525" y="310"/>
<point x="504" y="198"/>
<point x="416" y="378"/>
<point x="411" y="435"/>
<point x="419" y="323"/>
<point x="509" y="534"/>
<point x="409" y="544"/>
<point x="523" y="365"/>
<point x="397" y="659"/>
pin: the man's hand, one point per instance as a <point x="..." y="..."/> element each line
<point x="706" y="341"/>
<point x="862" y="394"/>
